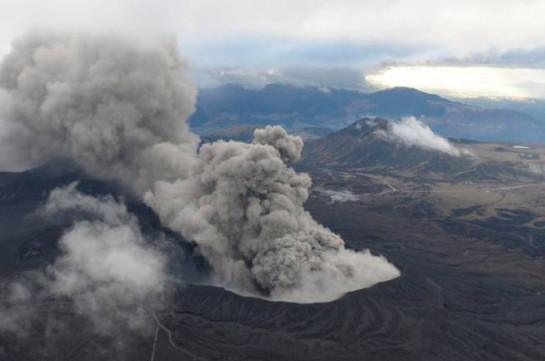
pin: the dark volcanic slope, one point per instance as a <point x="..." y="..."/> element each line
<point x="359" y="146"/>
<point x="27" y="240"/>
<point x="461" y="296"/>
<point x="295" y="108"/>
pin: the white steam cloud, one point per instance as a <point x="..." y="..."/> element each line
<point x="413" y="132"/>
<point x="320" y="77"/>
<point x="119" y="109"/>
<point x="106" y="268"/>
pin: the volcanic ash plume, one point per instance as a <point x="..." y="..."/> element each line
<point x="119" y="109"/>
<point x="243" y="206"/>
<point x="106" y="268"/>
<point x="116" y="107"/>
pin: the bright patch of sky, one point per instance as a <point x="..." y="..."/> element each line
<point x="465" y="81"/>
<point x="256" y="37"/>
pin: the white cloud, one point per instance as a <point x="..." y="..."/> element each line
<point x="472" y="26"/>
<point x="320" y="77"/>
<point x="106" y="268"/>
<point x="253" y="35"/>
<point x="465" y="81"/>
<point x="413" y="132"/>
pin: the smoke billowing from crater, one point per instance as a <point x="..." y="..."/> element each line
<point x="243" y="205"/>
<point x="119" y="109"/>
<point x="412" y="132"/>
<point x="115" y="106"/>
<point x="106" y="269"/>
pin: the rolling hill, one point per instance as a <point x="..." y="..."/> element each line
<point x="297" y="108"/>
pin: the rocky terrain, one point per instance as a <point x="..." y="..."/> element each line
<point x="363" y="145"/>
<point x="470" y="253"/>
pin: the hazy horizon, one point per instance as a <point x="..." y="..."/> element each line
<point x="462" y="49"/>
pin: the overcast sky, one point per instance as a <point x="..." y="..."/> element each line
<point x="464" y="48"/>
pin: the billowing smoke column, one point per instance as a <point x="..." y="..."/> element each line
<point x="116" y="107"/>
<point x="119" y="109"/>
<point x="244" y="207"/>
<point x="106" y="268"/>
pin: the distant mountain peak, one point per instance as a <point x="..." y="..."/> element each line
<point x="409" y="94"/>
<point x="372" y="142"/>
<point x="299" y="107"/>
<point x="368" y="125"/>
<point x="406" y="89"/>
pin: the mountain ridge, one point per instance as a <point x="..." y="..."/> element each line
<point x="296" y="108"/>
<point x="363" y="144"/>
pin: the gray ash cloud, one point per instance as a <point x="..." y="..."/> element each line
<point x="119" y="108"/>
